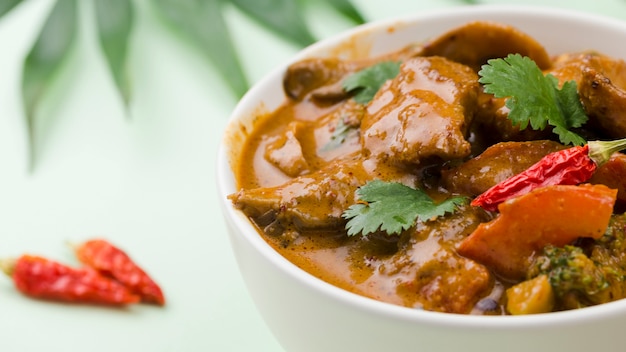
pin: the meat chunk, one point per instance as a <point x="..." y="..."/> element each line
<point x="495" y="164"/>
<point x="473" y="44"/>
<point x="476" y="42"/>
<point x="424" y="112"/>
<point x="430" y="275"/>
<point x="451" y="284"/>
<point x="493" y="124"/>
<point x="307" y="75"/>
<point x="604" y="102"/>
<point x="312" y="201"/>
<point x="285" y="152"/>
<point x="613" y="175"/>
<point x="320" y="78"/>
<point x="303" y="146"/>
<point x="315" y="201"/>
<point x="570" y="66"/>
<point x="492" y="115"/>
<point x="601" y="84"/>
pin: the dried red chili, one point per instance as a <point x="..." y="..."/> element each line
<point x="570" y="166"/>
<point x="42" y="278"/>
<point x="111" y="261"/>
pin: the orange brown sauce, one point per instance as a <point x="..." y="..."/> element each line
<point x="427" y="128"/>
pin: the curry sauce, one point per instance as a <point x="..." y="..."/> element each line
<point x="432" y="128"/>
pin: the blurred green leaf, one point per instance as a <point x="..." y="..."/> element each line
<point x="44" y="59"/>
<point x="7" y="5"/>
<point x="346" y="8"/>
<point x="284" y="17"/>
<point x="202" y="22"/>
<point x="115" y="21"/>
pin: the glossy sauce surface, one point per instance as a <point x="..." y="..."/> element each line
<point x="431" y="127"/>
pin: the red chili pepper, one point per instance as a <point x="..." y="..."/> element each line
<point x="42" y="278"/>
<point x="112" y="261"/>
<point x="570" y="166"/>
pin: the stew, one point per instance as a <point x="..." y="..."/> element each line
<point x="433" y="128"/>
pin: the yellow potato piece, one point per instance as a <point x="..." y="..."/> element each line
<point x="530" y="297"/>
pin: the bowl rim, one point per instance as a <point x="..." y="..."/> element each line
<point x="243" y="225"/>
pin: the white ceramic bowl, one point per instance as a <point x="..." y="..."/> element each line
<point x="307" y="314"/>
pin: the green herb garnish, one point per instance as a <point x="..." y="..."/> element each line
<point x="347" y="126"/>
<point x="393" y="207"/>
<point x="340" y="134"/>
<point x="535" y="98"/>
<point x="366" y="82"/>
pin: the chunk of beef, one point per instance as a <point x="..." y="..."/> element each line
<point x="495" y="164"/>
<point x="476" y="42"/>
<point x="613" y="175"/>
<point x="601" y="85"/>
<point x="428" y="272"/>
<point x="315" y="201"/>
<point x="604" y="102"/>
<point x="451" y="284"/>
<point x="301" y="147"/>
<point x="570" y="66"/>
<point x="424" y="112"/>
<point x="320" y="78"/>
<point x="285" y="151"/>
<point x="305" y="76"/>
<point x="493" y="124"/>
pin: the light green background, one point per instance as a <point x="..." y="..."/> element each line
<point x="143" y="179"/>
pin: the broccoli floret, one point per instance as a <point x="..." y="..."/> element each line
<point x="574" y="277"/>
<point x="613" y="241"/>
<point x="589" y="273"/>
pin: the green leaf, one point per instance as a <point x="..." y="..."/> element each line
<point x="393" y="207"/>
<point x="44" y="59"/>
<point x="570" y="103"/>
<point x="201" y="21"/>
<point x="366" y="82"/>
<point x="115" y="21"/>
<point x="534" y="98"/>
<point x="7" y="5"/>
<point x="346" y="8"/>
<point x="284" y="17"/>
<point x="347" y="126"/>
<point x="340" y="134"/>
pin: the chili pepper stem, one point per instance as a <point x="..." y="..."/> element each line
<point x="601" y="151"/>
<point x="7" y="266"/>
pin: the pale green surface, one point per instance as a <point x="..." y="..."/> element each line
<point x="145" y="181"/>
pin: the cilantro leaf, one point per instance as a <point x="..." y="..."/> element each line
<point x="535" y="98"/>
<point x="366" y="82"/>
<point x="393" y="207"/>
<point x="347" y="125"/>
<point x="573" y="109"/>
<point x="340" y="134"/>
